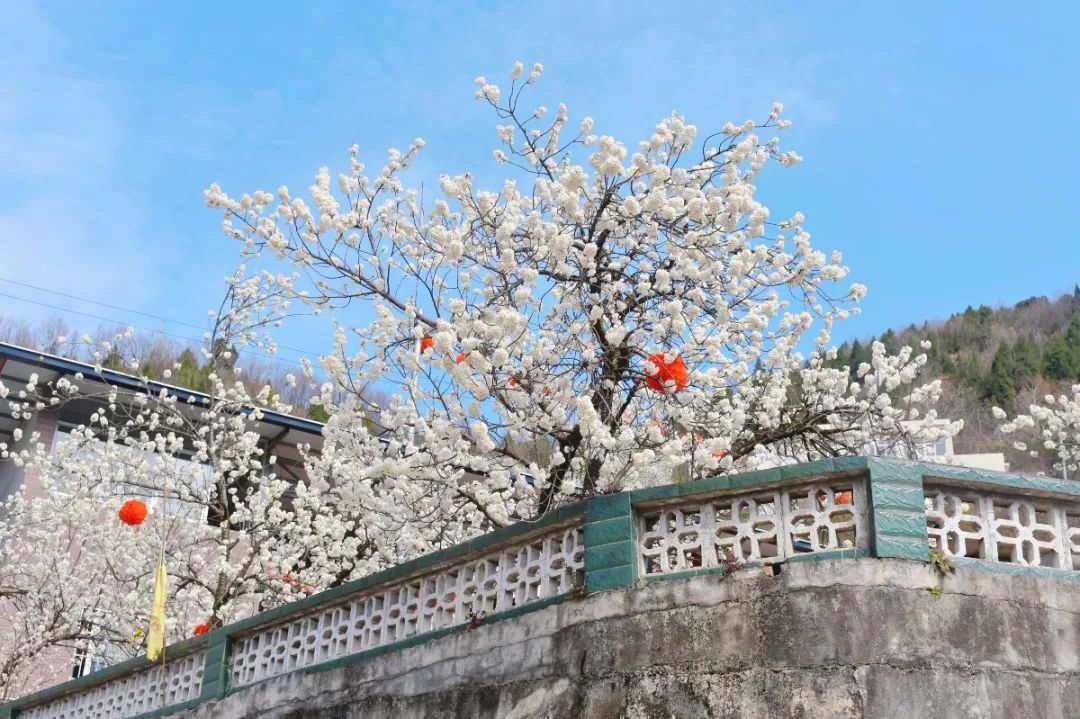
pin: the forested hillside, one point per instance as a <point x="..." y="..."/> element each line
<point x="990" y="357"/>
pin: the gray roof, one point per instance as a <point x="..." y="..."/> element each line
<point x="18" y="363"/>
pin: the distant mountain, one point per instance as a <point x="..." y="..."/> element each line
<point x="1005" y="357"/>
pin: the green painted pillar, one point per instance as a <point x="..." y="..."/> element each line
<point x="216" y="669"/>
<point x="897" y="511"/>
<point x="610" y="550"/>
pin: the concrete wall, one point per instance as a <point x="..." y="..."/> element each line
<point x="12" y="477"/>
<point x="847" y="638"/>
<point x="993" y="461"/>
<point x="54" y="664"/>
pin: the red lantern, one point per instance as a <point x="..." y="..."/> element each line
<point x="842" y="497"/>
<point x="426" y="343"/>
<point x="461" y="357"/>
<point x="674" y="372"/>
<point x="132" y="512"/>
<point x="200" y="629"/>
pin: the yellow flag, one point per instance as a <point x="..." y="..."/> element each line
<point x="156" y="641"/>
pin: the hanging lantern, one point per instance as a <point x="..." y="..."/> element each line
<point x="200" y="629"/>
<point x="674" y="372"/>
<point x="462" y="356"/>
<point x="426" y="344"/>
<point x="841" y="497"/>
<point x="132" y="513"/>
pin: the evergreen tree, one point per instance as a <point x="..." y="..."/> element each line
<point x="843" y="357"/>
<point x="115" y="362"/>
<point x="999" y="388"/>
<point x="318" y="413"/>
<point x="1060" y="362"/>
<point x="1027" y="362"/>
<point x="859" y="353"/>
<point x="1072" y="338"/>
<point x="189" y="374"/>
<point x="892" y="344"/>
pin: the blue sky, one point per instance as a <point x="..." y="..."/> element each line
<point x="936" y="135"/>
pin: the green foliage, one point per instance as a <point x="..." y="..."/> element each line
<point x="318" y="413"/>
<point x="1060" y="362"/>
<point x="1031" y="301"/>
<point x="189" y="374"/>
<point x="974" y="349"/>
<point x="999" y="388"/>
<point x="114" y="362"/>
<point x="940" y="564"/>
<point x="577" y="593"/>
<point x="891" y="342"/>
<point x="1027" y="359"/>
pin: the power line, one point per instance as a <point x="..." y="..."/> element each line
<point x="144" y="329"/>
<point x="121" y="309"/>
<point x="101" y="304"/>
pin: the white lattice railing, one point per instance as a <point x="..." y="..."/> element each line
<point x="513" y="577"/>
<point x="756" y="526"/>
<point x="129" y="695"/>
<point x="999" y="527"/>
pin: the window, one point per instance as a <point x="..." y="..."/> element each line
<point x="94" y="656"/>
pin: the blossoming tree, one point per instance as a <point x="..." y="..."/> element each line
<point x="606" y="318"/>
<point x="1052" y="426"/>
<point x="55" y="590"/>
<point x="73" y="576"/>
<point x="630" y="313"/>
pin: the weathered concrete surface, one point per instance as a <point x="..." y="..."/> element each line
<point x="850" y="638"/>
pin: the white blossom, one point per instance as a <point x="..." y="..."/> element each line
<point x="1054" y="425"/>
<point x="546" y="296"/>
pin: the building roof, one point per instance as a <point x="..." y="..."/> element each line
<point x="18" y="363"/>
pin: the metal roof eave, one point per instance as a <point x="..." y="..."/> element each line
<point x="66" y="366"/>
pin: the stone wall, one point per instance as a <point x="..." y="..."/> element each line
<point x="845" y="638"/>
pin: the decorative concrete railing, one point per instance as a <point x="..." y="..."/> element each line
<point x="137" y="693"/>
<point x="1001" y="525"/>
<point x="545" y="567"/>
<point x="833" y="509"/>
<point x="756" y="526"/>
